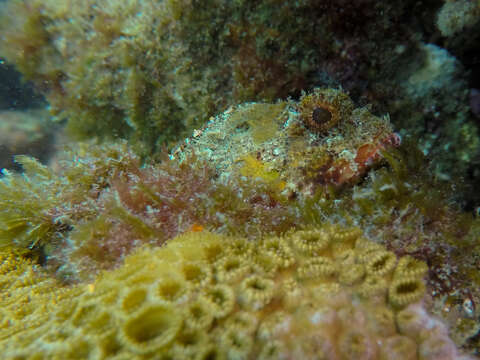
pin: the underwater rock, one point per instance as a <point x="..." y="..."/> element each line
<point x="151" y="72"/>
<point x="456" y="15"/>
<point x="25" y="133"/>
<point x="475" y="102"/>
<point x="432" y="105"/>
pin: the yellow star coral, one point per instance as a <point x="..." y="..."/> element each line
<point x="206" y="296"/>
<point x="26" y="295"/>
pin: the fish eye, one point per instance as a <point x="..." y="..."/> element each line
<point x="321" y="116"/>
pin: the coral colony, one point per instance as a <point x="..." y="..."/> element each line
<point x="220" y="197"/>
<point x="323" y="293"/>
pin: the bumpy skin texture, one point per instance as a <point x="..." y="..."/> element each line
<point x="209" y="296"/>
<point x="321" y="141"/>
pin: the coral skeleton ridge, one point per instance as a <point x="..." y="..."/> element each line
<point x="323" y="292"/>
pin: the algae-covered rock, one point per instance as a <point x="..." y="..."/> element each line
<point x="149" y="70"/>
<point x="455" y="16"/>
<point x="153" y="71"/>
<point x="26" y="133"/>
<point x="433" y="106"/>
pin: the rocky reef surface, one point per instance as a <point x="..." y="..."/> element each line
<point x="231" y="189"/>
<point x="28" y="132"/>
